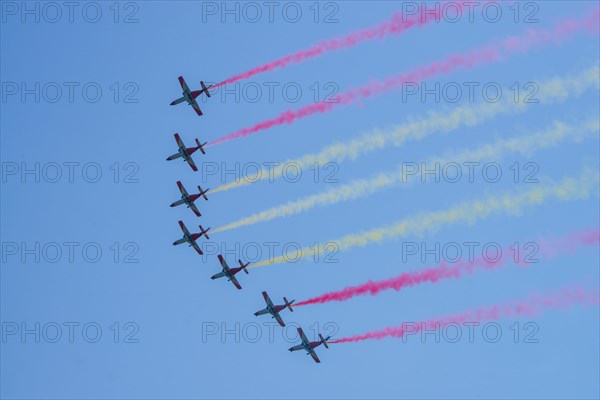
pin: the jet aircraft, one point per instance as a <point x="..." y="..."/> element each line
<point x="189" y="199"/>
<point x="310" y="346"/>
<point x="190" y="96"/>
<point x="186" y="152"/>
<point x="229" y="273"/>
<point x="191" y="238"/>
<point x="273" y="309"/>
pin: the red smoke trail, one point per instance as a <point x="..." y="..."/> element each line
<point x="483" y="55"/>
<point x="553" y="247"/>
<point x="466" y="60"/>
<point x="399" y="23"/>
<point x="567" y="297"/>
<point x="444" y="271"/>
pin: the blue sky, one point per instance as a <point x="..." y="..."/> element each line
<point x="167" y="295"/>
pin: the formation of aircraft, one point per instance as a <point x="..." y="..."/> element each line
<point x="186" y="152"/>
<point x="310" y="346"/>
<point x="229" y="273"/>
<point x="190" y="96"/>
<point x="189" y="199"/>
<point x="273" y="309"/>
<point x="191" y="239"/>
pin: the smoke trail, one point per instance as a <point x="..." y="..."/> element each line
<point x="552" y="91"/>
<point x="406" y="174"/>
<point x="467" y="60"/>
<point x="396" y="25"/>
<point x="564" y="298"/>
<point x="569" y="189"/>
<point x="553" y="247"/>
<point x="487" y="54"/>
<point x="454" y="271"/>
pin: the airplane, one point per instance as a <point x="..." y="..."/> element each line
<point x="191" y="237"/>
<point x="229" y="273"/>
<point x="274" y="310"/>
<point x="186" y="152"/>
<point x="188" y="199"/>
<point x="310" y="346"/>
<point x="190" y="96"/>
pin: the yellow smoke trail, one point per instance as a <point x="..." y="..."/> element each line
<point x="555" y="90"/>
<point x="404" y="175"/>
<point x="569" y="189"/>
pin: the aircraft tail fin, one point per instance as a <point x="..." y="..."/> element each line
<point x="205" y="89"/>
<point x="243" y="266"/>
<point x="203" y="192"/>
<point x="204" y="232"/>
<point x="201" y="146"/>
<point x="324" y="341"/>
<point x="288" y="304"/>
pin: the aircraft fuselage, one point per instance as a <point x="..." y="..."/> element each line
<point x="232" y="272"/>
<point x="188" y="97"/>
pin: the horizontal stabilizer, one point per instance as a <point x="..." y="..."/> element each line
<point x="205" y="89"/>
<point x="243" y="266"/>
<point x="324" y="341"/>
<point x="288" y="304"/>
<point x="201" y="146"/>
<point x="203" y="192"/>
<point x="204" y="232"/>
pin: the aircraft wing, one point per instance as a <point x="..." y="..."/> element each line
<point x="191" y="162"/>
<point x="184" y="229"/>
<point x="196" y="247"/>
<point x="303" y="337"/>
<point x="235" y="282"/>
<point x="267" y="299"/>
<point x="196" y="108"/>
<point x="217" y="276"/>
<point x="184" y="85"/>
<point x="180" y="144"/>
<point x="223" y="263"/>
<point x="182" y="189"/>
<point x="314" y="356"/>
<point x="278" y="319"/>
<point x="195" y="209"/>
